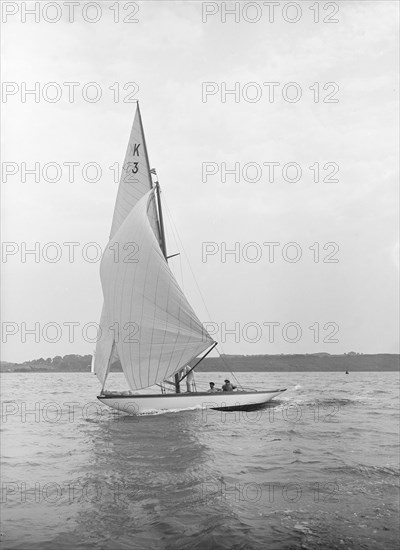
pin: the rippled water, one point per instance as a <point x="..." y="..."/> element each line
<point x="316" y="469"/>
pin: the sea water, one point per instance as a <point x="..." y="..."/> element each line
<point x="318" y="468"/>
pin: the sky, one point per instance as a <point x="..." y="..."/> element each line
<point x="331" y="283"/>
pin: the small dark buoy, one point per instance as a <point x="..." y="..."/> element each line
<point x="347" y="372"/>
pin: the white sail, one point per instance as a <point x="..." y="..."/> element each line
<point x="146" y="314"/>
<point x="105" y="353"/>
<point x="135" y="179"/>
<point x="135" y="182"/>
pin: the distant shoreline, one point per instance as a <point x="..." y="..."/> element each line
<point x="316" y="362"/>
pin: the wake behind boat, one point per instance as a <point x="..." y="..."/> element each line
<point x="147" y="322"/>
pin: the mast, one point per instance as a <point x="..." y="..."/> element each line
<point x="161" y="221"/>
<point x="157" y="192"/>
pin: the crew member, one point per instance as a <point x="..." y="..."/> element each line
<point x="228" y="386"/>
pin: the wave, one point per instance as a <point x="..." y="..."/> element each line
<point x="328" y="401"/>
<point x="365" y="470"/>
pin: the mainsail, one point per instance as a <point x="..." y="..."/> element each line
<point x="146" y="320"/>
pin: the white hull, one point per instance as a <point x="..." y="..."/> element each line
<point x="146" y="403"/>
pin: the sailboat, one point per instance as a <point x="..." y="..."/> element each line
<point x="147" y="322"/>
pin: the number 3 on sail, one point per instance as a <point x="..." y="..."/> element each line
<point x="145" y="294"/>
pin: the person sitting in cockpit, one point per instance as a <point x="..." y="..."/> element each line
<point x="228" y="386"/>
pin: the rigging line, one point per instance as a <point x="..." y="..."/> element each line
<point x="232" y="373"/>
<point x="180" y="266"/>
<point x="176" y="235"/>
<point x="186" y="256"/>
<point x="176" y="244"/>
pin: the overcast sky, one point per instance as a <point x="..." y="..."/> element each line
<point x="169" y="53"/>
